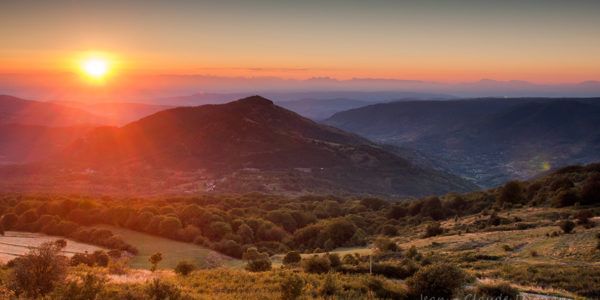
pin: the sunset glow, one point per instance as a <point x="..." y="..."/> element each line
<point x="96" y="68"/>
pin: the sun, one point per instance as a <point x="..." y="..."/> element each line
<point x="95" y="67"/>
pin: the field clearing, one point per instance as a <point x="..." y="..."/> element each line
<point x="15" y="243"/>
<point x="173" y="251"/>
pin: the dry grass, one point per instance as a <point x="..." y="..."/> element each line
<point x="14" y="244"/>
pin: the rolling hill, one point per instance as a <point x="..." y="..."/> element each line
<point x="30" y="143"/>
<point x="486" y="140"/>
<point x="246" y="145"/>
<point x="14" y="110"/>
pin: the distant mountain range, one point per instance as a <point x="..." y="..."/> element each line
<point x="486" y="140"/>
<point x="160" y="89"/>
<point x="246" y="145"/>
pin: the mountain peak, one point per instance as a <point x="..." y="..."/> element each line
<point x="253" y="100"/>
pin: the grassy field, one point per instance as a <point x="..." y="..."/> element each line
<point x="14" y="244"/>
<point x="172" y="251"/>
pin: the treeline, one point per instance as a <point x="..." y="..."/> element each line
<point x="276" y="224"/>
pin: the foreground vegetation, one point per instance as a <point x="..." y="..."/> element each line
<point x="538" y="237"/>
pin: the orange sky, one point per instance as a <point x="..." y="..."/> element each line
<point x="539" y="41"/>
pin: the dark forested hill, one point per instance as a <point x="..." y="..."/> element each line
<point x="245" y="145"/>
<point x="487" y="140"/>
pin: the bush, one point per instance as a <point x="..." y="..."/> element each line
<point x="184" y="268"/>
<point x="88" y="287"/>
<point x="384" y="244"/>
<point x="329" y="286"/>
<point x="349" y="259"/>
<point x="159" y="290"/>
<point x="433" y="229"/>
<point x="256" y="261"/>
<point x="259" y="265"/>
<point x="567" y="226"/>
<point x="437" y="280"/>
<point x="496" y="291"/>
<point x="377" y="286"/>
<point x="27" y="278"/>
<point x="292" y="258"/>
<point x="316" y="264"/>
<point x="565" y="198"/>
<point x="291" y="286"/>
<point x="334" y="260"/>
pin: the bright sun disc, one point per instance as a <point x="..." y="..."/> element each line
<point x="95" y="67"/>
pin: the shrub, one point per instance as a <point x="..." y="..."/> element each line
<point x="88" y="287"/>
<point x="384" y="244"/>
<point x="567" y="226"/>
<point x="316" y="264"/>
<point x="292" y="258"/>
<point x="118" y="266"/>
<point x="349" y="259"/>
<point x="511" y="192"/>
<point x="437" y="280"/>
<point x="256" y="261"/>
<point x="433" y="229"/>
<point x="291" y="286"/>
<point x="329" y="286"/>
<point x="377" y="286"/>
<point x="334" y="260"/>
<point x="259" y="265"/>
<point x="184" y="268"/>
<point x="389" y="230"/>
<point x="507" y="248"/>
<point x="496" y="291"/>
<point x="565" y="198"/>
<point x="159" y="290"/>
<point x="26" y="277"/>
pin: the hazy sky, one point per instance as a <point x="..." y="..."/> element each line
<point x="542" y="41"/>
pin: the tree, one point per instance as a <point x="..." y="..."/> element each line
<point x="9" y="221"/>
<point x="154" y="260"/>
<point x="256" y="261"/>
<point x="437" y="281"/>
<point x="590" y="190"/>
<point x="169" y="227"/>
<point x="38" y="272"/>
<point x="246" y="233"/>
<point x="184" y="268"/>
<point x="292" y="258"/>
<point x="511" y="192"/>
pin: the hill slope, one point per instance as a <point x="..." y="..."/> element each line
<point x="14" y="110"/>
<point x="249" y="145"/>
<point x="30" y="143"/>
<point x="488" y="140"/>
